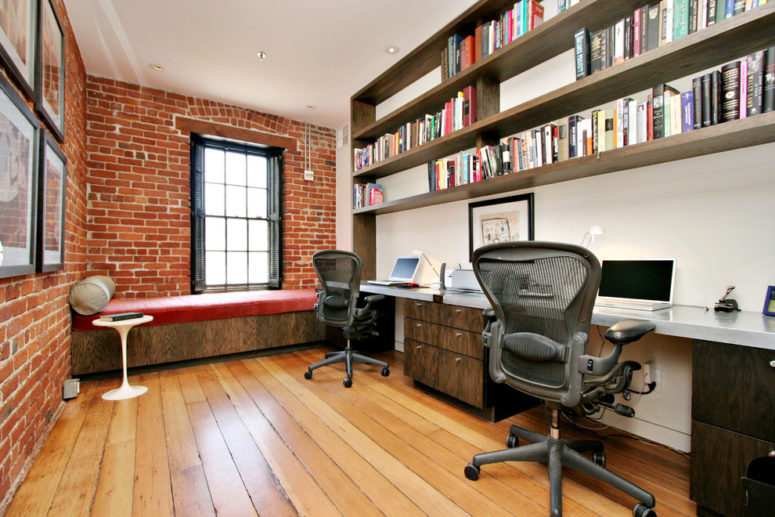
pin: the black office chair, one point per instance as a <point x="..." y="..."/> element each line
<point x="340" y="274"/>
<point x="542" y="295"/>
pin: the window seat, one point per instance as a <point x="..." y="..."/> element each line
<point x="197" y="326"/>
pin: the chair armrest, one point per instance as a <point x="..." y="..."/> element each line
<point x="374" y="298"/>
<point x="627" y="331"/>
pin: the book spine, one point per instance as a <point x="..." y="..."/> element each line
<point x="636" y="24"/>
<point x="730" y="91"/>
<point x="572" y="127"/>
<point x="755" y="83"/>
<point x="652" y="29"/>
<point x="743" y="88"/>
<point x="712" y="13"/>
<point x="729" y="9"/>
<point x="716" y="87"/>
<point x="601" y="131"/>
<point x="650" y="118"/>
<point x="642" y="123"/>
<point x="739" y="6"/>
<point x="609" y="132"/>
<point x="596" y="62"/>
<point x="627" y="38"/>
<point x="619" y="42"/>
<point x="680" y="19"/>
<point x="694" y="15"/>
<point x="581" y="46"/>
<point x="595" y="130"/>
<point x="562" y="132"/>
<point x="706" y="100"/>
<point x="644" y="28"/>
<point x="687" y="111"/>
<point x="697" y="98"/>
<point x="658" y="93"/>
<point x="768" y="89"/>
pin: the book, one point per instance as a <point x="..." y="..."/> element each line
<point x="573" y="122"/>
<point x="755" y="83"/>
<point x="739" y="7"/>
<point x="469" y="105"/>
<point x="632" y="123"/>
<point x="694" y="13"/>
<point x="375" y="194"/>
<point x="687" y="111"/>
<point x="658" y="93"/>
<point x="467" y="54"/>
<point x="673" y="111"/>
<point x="730" y="91"/>
<point x="644" y="28"/>
<point x="609" y="131"/>
<point x="618" y="43"/>
<point x="716" y="116"/>
<point x="712" y="13"/>
<point x="642" y="122"/>
<point x="680" y="19"/>
<point x="768" y="88"/>
<point x="652" y="29"/>
<point x="697" y="98"/>
<point x="598" y="144"/>
<point x="598" y="49"/>
<point x="627" y="38"/>
<point x="650" y="117"/>
<point x="743" y="88"/>
<point x="706" y="101"/>
<point x="581" y="47"/>
<point x="636" y="34"/>
<point x="562" y="140"/>
<point x="729" y="9"/>
<point x="121" y="316"/>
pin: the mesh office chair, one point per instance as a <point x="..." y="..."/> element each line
<point x="542" y="295"/>
<point x="337" y="305"/>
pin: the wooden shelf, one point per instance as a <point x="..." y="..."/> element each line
<point x="736" y="134"/>
<point x="549" y="39"/>
<point x="728" y="40"/>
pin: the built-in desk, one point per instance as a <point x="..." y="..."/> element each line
<point x="733" y="384"/>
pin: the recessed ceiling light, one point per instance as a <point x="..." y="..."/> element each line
<point x="261" y="55"/>
<point x="392" y="50"/>
<point x="156" y="67"/>
<point x="310" y="107"/>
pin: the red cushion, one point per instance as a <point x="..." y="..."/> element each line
<point x="209" y="306"/>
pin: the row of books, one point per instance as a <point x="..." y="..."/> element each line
<point x="367" y="194"/>
<point x="649" y="27"/>
<point x="739" y="89"/>
<point x="463" y="51"/>
<point x="457" y="113"/>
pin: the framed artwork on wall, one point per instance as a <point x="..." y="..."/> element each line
<point x="18" y="21"/>
<point x="500" y="220"/>
<point x="18" y="161"/>
<point x="52" y="183"/>
<point x="50" y="74"/>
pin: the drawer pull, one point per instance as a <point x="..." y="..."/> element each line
<point x="458" y="359"/>
<point x="458" y="310"/>
<point x="418" y="324"/>
<point x="772" y="364"/>
<point x="419" y="347"/>
<point x="458" y="334"/>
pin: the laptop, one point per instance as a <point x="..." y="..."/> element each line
<point x="404" y="271"/>
<point x="640" y="284"/>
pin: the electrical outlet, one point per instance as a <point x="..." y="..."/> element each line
<point x="309" y="175"/>
<point x="658" y="379"/>
<point x="648" y="375"/>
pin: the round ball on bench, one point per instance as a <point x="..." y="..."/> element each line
<point x="91" y="295"/>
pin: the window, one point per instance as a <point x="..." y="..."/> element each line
<point x="236" y="206"/>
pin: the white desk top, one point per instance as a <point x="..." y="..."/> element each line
<point x="736" y="328"/>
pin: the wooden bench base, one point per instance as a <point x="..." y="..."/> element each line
<point x="100" y="350"/>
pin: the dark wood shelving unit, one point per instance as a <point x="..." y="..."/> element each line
<point x="710" y="47"/>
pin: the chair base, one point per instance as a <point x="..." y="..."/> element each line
<point x="347" y="356"/>
<point x="558" y="453"/>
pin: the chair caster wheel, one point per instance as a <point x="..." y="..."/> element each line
<point x="472" y="472"/>
<point x="641" y="510"/>
<point x="385" y="372"/>
<point x="512" y="440"/>
<point x="347" y="382"/>
<point x="599" y="458"/>
<point x="308" y="374"/>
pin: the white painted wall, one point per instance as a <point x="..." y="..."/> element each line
<point x="712" y="213"/>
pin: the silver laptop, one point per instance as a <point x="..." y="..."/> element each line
<point x="404" y="271"/>
<point x="640" y="284"/>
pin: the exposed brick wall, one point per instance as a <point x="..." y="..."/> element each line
<point x="34" y="315"/>
<point x="139" y="187"/>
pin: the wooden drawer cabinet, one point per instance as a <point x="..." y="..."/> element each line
<point x="733" y="396"/>
<point x="443" y="350"/>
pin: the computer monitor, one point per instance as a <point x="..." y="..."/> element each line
<point x="637" y="283"/>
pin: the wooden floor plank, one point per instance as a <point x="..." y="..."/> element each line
<point x="190" y="494"/>
<point x="343" y="471"/>
<point x="151" y="494"/>
<point x="265" y="491"/>
<point x="253" y="436"/>
<point x="37" y="492"/>
<point x="406" y="480"/>
<point x="302" y="489"/>
<point x="115" y="486"/>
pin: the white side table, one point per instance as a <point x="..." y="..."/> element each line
<point x="125" y="391"/>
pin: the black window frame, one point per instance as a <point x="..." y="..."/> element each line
<point x="274" y="156"/>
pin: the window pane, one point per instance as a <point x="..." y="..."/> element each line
<point x="259" y="268"/>
<point x="235" y="201"/>
<point x="215" y="268"/>
<point x="215" y="233"/>
<point x="238" y="268"/>
<point x="257" y="236"/>
<point x="235" y="168"/>
<point x="213" y="199"/>
<point x="256" y="202"/>
<point x="213" y="165"/>
<point x="256" y="171"/>
<point x="237" y="235"/>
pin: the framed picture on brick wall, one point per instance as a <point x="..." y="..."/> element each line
<point x="18" y="23"/>
<point x="52" y="183"/>
<point x="50" y="74"/>
<point x="18" y="173"/>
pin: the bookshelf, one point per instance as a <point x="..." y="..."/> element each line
<point x="725" y="41"/>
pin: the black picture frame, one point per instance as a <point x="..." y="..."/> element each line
<point x="52" y="187"/>
<point x="18" y="42"/>
<point x="515" y="221"/>
<point x="18" y="183"/>
<point x="50" y="73"/>
<point x="769" y="302"/>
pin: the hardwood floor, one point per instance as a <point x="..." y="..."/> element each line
<point x="252" y="436"/>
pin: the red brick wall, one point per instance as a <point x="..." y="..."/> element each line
<point x="34" y="315"/>
<point x="139" y="189"/>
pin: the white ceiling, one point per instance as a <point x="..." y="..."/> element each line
<point x="319" y="52"/>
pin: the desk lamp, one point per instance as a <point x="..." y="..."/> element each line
<point x="589" y="237"/>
